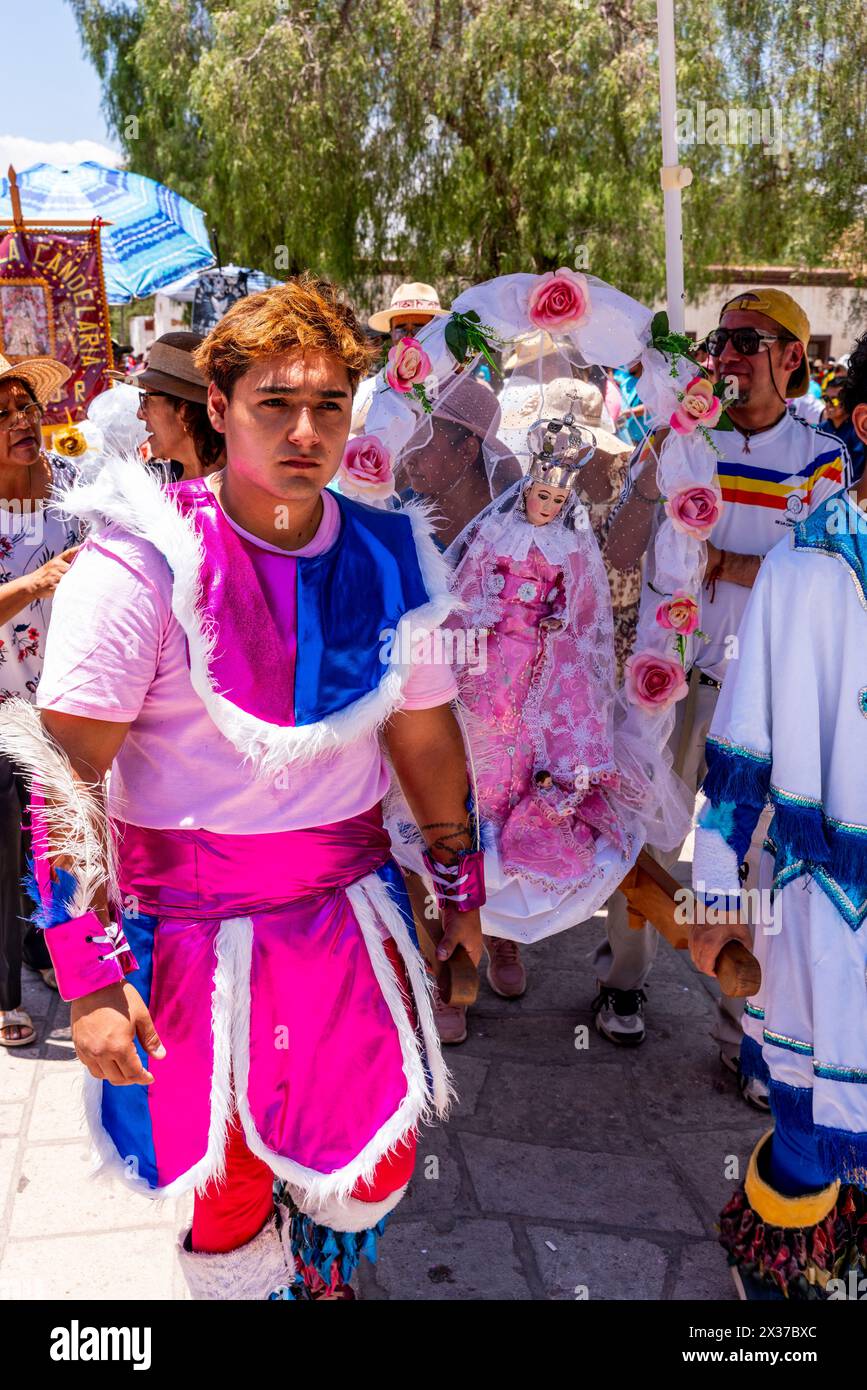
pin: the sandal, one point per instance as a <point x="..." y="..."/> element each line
<point x="16" y="1018"/>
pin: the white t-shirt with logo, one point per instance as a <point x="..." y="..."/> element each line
<point x="769" y="482"/>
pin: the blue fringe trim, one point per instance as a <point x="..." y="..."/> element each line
<point x="320" y="1247"/>
<point x="843" y="1154"/>
<point x="735" y="774"/>
<point x="752" y="1061"/>
<point x="51" y="914"/>
<point x="806" y="833"/>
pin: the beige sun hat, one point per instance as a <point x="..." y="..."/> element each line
<point x="530" y="349"/>
<point x="562" y="396"/>
<point x="44" y="375"/>
<point x="412" y="298"/>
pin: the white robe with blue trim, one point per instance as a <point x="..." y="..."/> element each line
<point x="791" y="728"/>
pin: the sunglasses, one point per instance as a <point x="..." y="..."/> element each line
<point x="833" y="401"/>
<point x="746" y="341"/>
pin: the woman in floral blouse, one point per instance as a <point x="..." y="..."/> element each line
<point x="37" y="545"/>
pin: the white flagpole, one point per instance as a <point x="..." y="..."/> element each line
<point x="672" y="177"/>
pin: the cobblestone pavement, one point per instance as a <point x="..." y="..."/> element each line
<point x="564" y="1172"/>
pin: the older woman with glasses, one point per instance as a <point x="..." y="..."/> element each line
<point x="37" y="544"/>
<point x="172" y="405"/>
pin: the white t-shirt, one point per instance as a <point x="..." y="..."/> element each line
<point x="769" y="482"/>
<point x="31" y="534"/>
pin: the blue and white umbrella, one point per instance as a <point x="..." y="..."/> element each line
<point x="156" y="236"/>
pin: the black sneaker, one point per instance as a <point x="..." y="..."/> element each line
<point x="620" y="1015"/>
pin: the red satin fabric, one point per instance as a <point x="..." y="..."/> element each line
<point x="233" y="1212"/>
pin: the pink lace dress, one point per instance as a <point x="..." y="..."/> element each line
<point x="529" y="591"/>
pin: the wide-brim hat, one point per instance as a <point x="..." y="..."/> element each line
<point x="564" y="395"/>
<point x="787" y="312"/>
<point x="170" y="368"/>
<point x="412" y="298"/>
<point x="44" y="375"/>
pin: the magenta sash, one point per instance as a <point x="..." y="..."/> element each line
<point x="196" y="874"/>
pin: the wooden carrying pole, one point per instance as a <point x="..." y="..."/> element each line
<point x="650" y="893"/>
<point x="17" y="218"/>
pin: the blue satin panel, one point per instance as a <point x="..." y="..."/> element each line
<point x="365" y="583"/>
<point x="125" y="1109"/>
<point x="390" y="874"/>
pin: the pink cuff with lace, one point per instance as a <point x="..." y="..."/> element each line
<point x="87" y="955"/>
<point x="459" y="886"/>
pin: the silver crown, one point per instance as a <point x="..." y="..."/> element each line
<point x="551" y="443"/>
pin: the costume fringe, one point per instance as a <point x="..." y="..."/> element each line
<point x="76" y="824"/>
<point x="797" y="1263"/>
<point x="842" y="1152"/>
<point x="806" y="833"/>
<point x="329" y="1257"/>
<point x="752" y="1061"/>
<point x="735" y="776"/>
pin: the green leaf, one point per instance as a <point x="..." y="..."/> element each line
<point x="471" y="314"/>
<point x="659" y="325"/>
<point x="720" y="389"/>
<point x="456" y="338"/>
<point x="723" y="423"/>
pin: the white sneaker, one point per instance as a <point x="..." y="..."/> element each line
<point x="620" y="1015"/>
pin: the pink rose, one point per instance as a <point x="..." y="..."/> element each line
<point x="699" y="406"/>
<point x="408" y="363"/>
<point x="365" y="471"/>
<point x="679" y="613"/>
<point x="694" y="511"/>
<point x="654" y="681"/>
<point x="560" y="301"/>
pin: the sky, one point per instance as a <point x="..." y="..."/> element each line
<point x="51" y="94"/>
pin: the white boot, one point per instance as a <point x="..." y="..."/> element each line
<point x="253" y="1271"/>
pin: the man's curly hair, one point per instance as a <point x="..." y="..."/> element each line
<point x="305" y="312"/>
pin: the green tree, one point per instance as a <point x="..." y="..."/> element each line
<point x="453" y="140"/>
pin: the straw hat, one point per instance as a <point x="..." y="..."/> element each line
<point x="42" y="374"/>
<point x="562" y="396"/>
<point x="170" y="368"/>
<point x="531" y="349"/>
<point x="412" y="298"/>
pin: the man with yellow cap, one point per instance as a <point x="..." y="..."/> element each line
<point x="775" y="470"/>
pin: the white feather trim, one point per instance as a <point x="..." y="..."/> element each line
<point x="381" y="901"/>
<point x="75" y="818"/>
<point x="349" y="1213"/>
<point x="126" y="494"/>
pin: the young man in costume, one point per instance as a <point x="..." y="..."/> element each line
<point x="218" y="645"/>
<point x="791" y="729"/>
